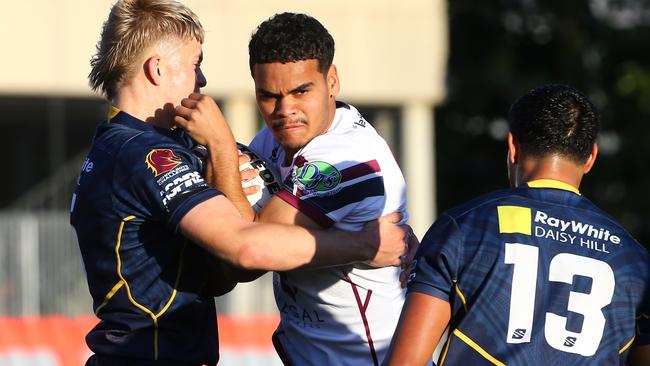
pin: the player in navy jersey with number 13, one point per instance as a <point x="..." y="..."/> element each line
<point x="535" y="274"/>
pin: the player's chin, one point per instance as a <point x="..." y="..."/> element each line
<point x="292" y="141"/>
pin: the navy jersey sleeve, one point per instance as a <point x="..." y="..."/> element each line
<point x="160" y="183"/>
<point x="436" y="265"/>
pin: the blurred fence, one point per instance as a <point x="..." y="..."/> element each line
<point x="40" y="266"/>
<point x="42" y="278"/>
<point x="41" y="271"/>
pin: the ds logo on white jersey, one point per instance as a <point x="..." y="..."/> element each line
<point x="318" y="177"/>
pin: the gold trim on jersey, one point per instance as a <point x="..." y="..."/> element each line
<point x="552" y="183"/>
<point x="113" y="112"/>
<point x="109" y="295"/>
<point x="444" y="353"/>
<point x="178" y="277"/>
<point x="460" y="294"/>
<point x="477" y="348"/>
<point x="627" y="345"/>
<point x="153" y="316"/>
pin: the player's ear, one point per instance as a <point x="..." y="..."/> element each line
<point x="332" y="80"/>
<point x="591" y="159"/>
<point x="513" y="149"/>
<point x="152" y="69"/>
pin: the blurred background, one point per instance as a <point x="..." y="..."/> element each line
<point x="436" y="78"/>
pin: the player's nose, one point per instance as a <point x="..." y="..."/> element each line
<point x="284" y="107"/>
<point x="201" y="80"/>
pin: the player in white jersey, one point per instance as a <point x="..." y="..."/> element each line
<point x="337" y="172"/>
<point x="342" y="178"/>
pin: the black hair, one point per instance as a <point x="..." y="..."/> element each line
<point x="291" y="37"/>
<point x="554" y="119"/>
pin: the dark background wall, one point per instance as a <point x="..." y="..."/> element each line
<point x="501" y="49"/>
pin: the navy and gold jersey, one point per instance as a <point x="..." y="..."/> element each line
<point x="150" y="287"/>
<point x="535" y="275"/>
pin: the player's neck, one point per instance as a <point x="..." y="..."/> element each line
<point x="288" y="155"/>
<point x="143" y="105"/>
<point x="554" y="167"/>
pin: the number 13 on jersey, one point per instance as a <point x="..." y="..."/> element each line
<point x="563" y="267"/>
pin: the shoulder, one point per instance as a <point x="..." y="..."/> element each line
<point x="263" y="136"/>
<point x="265" y="146"/>
<point x="264" y="141"/>
<point x="349" y="120"/>
<point x="150" y="151"/>
<point x="345" y="141"/>
<point x="144" y="141"/>
<point x="485" y="202"/>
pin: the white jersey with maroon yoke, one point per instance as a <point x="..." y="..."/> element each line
<point x="343" y="178"/>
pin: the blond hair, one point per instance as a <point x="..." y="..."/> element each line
<point x="134" y="26"/>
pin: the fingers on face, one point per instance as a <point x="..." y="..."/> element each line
<point x="243" y="158"/>
<point x="392" y="218"/>
<point x="248" y="174"/>
<point x="189" y="103"/>
<point x="180" y="121"/>
<point x="251" y="190"/>
<point x="182" y="111"/>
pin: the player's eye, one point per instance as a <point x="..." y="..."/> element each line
<point x="264" y="96"/>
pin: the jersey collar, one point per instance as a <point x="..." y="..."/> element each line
<point x="552" y="183"/>
<point x="116" y="115"/>
<point x="113" y="112"/>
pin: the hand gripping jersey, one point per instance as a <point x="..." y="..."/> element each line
<point x="343" y="178"/>
<point x="535" y="275"/>
<point x="150" y="287"/>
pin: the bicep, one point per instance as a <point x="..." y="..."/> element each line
<point x="278" y="211"/>
<point x="422" y="323"/>
<point x="214" y="224"/>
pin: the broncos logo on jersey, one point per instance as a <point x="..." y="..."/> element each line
<point x="161" y="161"/>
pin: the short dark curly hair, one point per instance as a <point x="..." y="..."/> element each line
<point x="555" y="119"/>
<point x="291" y="37"/>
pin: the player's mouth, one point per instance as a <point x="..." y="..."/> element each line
<point x="288" y="126"/>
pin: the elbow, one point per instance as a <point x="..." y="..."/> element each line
<point x="250" y="258"/>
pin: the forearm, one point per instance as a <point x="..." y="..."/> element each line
<point x="295" y="247"/>
<point x="214" y="225"/>
<point x="200" y="116"/>
<point x="222" y="173"/>
<point x="421" y="324"/>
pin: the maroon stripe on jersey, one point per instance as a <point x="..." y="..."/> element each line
<point x="362" y="311"/>
<point x="359" y="170"/>
<point x="300" y="161"/>
<point x="349" y="173"/>
<point x="305" y="207"/>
